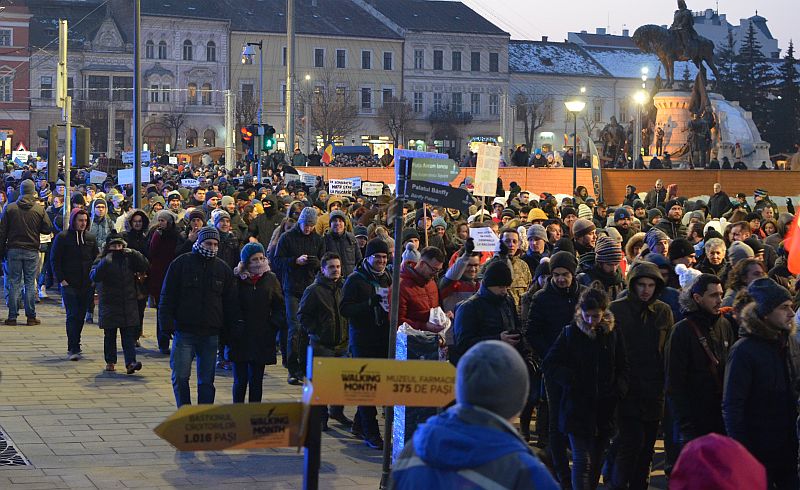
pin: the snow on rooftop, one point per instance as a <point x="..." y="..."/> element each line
<point x="628" y="63"/>
<point x="550" y="58"/>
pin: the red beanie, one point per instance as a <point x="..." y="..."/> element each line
<point x="715" y="462"/>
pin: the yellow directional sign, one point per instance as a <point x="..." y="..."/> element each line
<point x="340" y="381"/>
<point x="237" y="426"/>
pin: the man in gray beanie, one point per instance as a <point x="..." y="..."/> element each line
<point x="197" y="301"/>
<point x="491" y="389"/>
<point x="761" y="375"/>
<point x="537" y="247"/>
<point x="298" y="260"/>
<point x="21" y="224"/>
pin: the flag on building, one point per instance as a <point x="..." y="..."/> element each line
<point x="327" y="155"/>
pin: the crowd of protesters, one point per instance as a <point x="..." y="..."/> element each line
<point x="656" y="317"/>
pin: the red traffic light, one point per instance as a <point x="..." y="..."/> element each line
<point x="247" y="135"/>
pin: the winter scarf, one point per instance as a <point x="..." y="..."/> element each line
<point x="199" y="249"/>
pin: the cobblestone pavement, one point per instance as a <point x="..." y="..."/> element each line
<point x="81" y="427"/>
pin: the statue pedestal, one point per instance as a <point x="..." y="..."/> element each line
<point x="733" y="125"/>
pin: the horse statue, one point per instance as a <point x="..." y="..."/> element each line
<point x="665" y="44"/>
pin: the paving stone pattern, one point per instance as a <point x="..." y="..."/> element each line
<point x="81" y="427"/>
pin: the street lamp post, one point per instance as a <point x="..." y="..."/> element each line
<point x="575" y="106"/>
<point x="248" y="52"/>
<point x="640" y="97"/>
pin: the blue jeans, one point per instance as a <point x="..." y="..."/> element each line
<point x="185" y="346"/>
<point x="587" y="460"/>
<point x="248" y="375"/>
<point x="22" y="267"/>
<point x="75" y="301"/>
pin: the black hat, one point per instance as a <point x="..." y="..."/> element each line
<point x="768" y="295"/>
<point x="755" y="244"/>
<point x="680" y="248"/>
<point x="376" y="246"/>
<point x="115" y="237"/>
<point x="77" y="199"/>
<point x="672" y="202"/>
<point x="410" y="233"/>
<point x="564" y="244"/>
<point x="497" y="274"/>
<point x="565" y="260"/>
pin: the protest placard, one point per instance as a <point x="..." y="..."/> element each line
<point x="485" y="239"/>
<point x="340" y="186"/>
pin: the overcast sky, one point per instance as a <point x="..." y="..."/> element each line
<point x="526" y="19"/>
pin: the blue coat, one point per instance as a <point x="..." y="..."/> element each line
<point x="464" y="447"/>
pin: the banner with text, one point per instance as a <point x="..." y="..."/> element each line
<point x="486" y="170"/>
<point x="340" y="186"/>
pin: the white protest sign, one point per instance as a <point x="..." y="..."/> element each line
<point x="290" y="177"/>
<point x="126" y="175"/>
<point x="308" y="179"/>
<point x="19" y="157"/>
<point x="340" y="186"/>
<point x="41" y="165"/>
<point x="127" y="156"/>
<point x="356" y="182"/>
<point x="486" y="170"/>
<point x="372" y="189"/>
<point x="190" y="183"/>
<point x="173" y="160"/>
<point x="97" y="177"/>
<point x="485" y="239"/>
<point x="17" y="174"/>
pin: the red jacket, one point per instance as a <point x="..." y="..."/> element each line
<point x="417" y="297"/>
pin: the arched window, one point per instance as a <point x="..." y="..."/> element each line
<point x="209" y="137"/>
<point x="157" y="135"/>
<point x="149" y="50"/>
<point x="187" y="51"/>
<point x="162" y="50"/>
<point x="211" y="51"/>
<point x="205" y="93"/>
<point x="191" y="94"/>
<point x="191" y="138"/>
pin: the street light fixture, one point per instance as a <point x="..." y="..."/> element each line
<point x="640" y="97"/>
<point x="575" y="106"/>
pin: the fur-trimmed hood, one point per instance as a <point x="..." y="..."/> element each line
<point x="753" y="326"/>
<point x="606" y="324"/>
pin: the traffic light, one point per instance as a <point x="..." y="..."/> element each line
<point x="82" y="147"/>
<point x="269" y="138"/>
<point x="52" y="153"/>
<point x="247" y="141"/>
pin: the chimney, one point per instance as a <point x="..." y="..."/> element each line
<point x="544" y="39"/>
<point x="601" y="31"/>
<point x="584" y="32"/>
<point x="625" y="32"/>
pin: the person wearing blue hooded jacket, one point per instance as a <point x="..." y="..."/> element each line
<point x="472" y="444"/>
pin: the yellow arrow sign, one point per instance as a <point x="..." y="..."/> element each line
<point x="237" y="426"/>
<point x="340" y="381"/>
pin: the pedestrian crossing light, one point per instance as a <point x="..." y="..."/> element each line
<point x="269" y="138"/>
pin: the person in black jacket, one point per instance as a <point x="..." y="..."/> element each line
<point x="264" y="225"/>
<point x="114" y="274"/>
<point x="298" y="253"/>
<point x="719" y="203"/>
<point x="759" y="404"/>
<point x="343" y="243"/>
<point x="366" y="309"/>
<point x="644" y="322"/>
<point x="72" y="255"/>
<point x="251" y="344"/>
<point x="588" y="361"/>
<point x="198" y="300"/>
<point x="321" y="318"/>
<point x="228" y="243"/>
<point x="695" y="361"/>
<point x="551" y="309"/>
<point x="21" y="225"/>
<point x="135" y="235"/>
<point x="656" y="196"/>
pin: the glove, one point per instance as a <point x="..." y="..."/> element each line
<point x="469" y="246"/>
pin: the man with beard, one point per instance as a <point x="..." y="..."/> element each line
<point x="584" y="235"/>
<point x="645" y="323"/>
<point x="365" y="305"/>
<point x="672" y="225"/>
<point x="600" y="215"/>
<point x="656" y="196"/>
<point x="695" y="361"/>
<point x="262" y="228"/>
<point x="537" y="247"/>
<point x="605" y="270"/>
<point x="623" y="223"/>
<point x="759" y="402"/>
<point x="342" y="243"/>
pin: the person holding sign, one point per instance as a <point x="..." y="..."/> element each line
<point x="321" y="318"/>
<point x="473" y="444"/>
<point x="366" y="309"/>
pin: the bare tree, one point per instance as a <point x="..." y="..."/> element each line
<point x="531" y="111"/>
<point x="246" y="110"/>
<point x="94" y="115"/>
<point x="175" y="119"/>
<point x="589" y="123"/>
<point x="395" y="115"/>
<point x="333" y="111"/>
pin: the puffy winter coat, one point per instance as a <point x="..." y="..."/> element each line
<point x="483" y="317"/>
<point x="551" y="309"/>
<point x="116" y="286"/>
<point x="671" y="228"/>
<point x="137" y="240"/>
<point x="263" y="314"/>
<point x="592" y="368"/>
<point x="759" y="405"/>
<point x="319" y="314"/>
<point x="346" y="247"/>
<point x="293" y="244"/>
<point x="645" y="328"/>
<point x="21" y="224"/>
<point x="417" y="297"/>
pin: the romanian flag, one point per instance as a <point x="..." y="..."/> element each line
<point x="791" y="243"/>
<point x="327" y="155"/>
